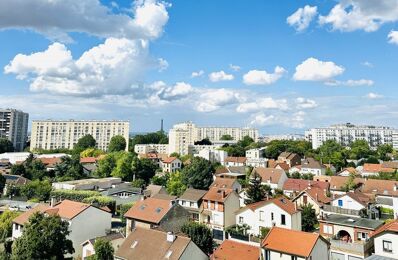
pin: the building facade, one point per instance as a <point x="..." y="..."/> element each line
<point x="14" y="127"/>
<point x="51" y="134"/>
<point x="345" y="134"/>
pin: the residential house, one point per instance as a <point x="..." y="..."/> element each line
<point x="151" y="190"/>
<point x="313" y="196"/>
<point x="234" y="250"/>
<point x="170" y="164"/>
<point x="124" y="193"/>
<point x="312" y="166"/>
<point x="386" y="242"/>
<point x="292" y="187"/>
<point x="116" y="239"/>
<point x="142" y="243"/>
<point x="348" y="171"/>
<point x="287" y="244"/>
<point x="226" y="183"/>
<point x="232" y="172"/>
<point x="89" y="164"/>
<point x="88" y="184"/>
<point x="235" y="161"/>
<point x="373" y="169"/>
<point x="352" y="201"/>
<point x="156" y="212"/>
<point x="256" y="157"/>
<point x="289" y="158"/>
<point x="283" y="166"/>
<point x="191" y="200"/>
<point x="275" y="178"/>
<point x="390" y="164"/>
<point x="85" y="221"/>
<point x="219" y="207"/>
<point x="279" y="212"/>
<point x="348" y="235"/>
<point x="213" y="155"/>
<point x="13" y="180"/>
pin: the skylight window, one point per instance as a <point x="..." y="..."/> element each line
<point x="134" y="244"/>
<point x="158" y="210"/>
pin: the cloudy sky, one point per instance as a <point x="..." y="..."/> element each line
<point x="282" y="66"/>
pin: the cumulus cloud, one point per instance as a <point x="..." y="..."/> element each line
<point x="372" y="95"/>
<point x="56" y="19"/>
<point x="261" y="77"/>
<point x="351" y="15"/>
<point x="393" y="37"/>
<point x="234" y="67"/>
<point x="305" y="103"/>
<point x="367" y="64"/>
<point x="315" y="70"/>
<point x="220" y="76"/>
<point x="196" y="74"/>
<point x="351" y="82"/>
<point x="178" y="91"/>
<point x="262" y="103"/>
<point x="296" y="120"/>
<point x="213" y="99"/>
<point x="302" y="18"/>
<point x="262" y="119"/>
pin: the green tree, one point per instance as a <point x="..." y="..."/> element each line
<point x="138" y="183"/>
<point x="124" y="166"/>
<point x="175" y="185"/>
<point x="44" y="237"/>
<point x="246" y="141"/>
<point x="35" y="170"/>
<point x="37" y="189"/>
<point x="106" y="165"/>
<point x="160" y="180"/>
<point x="200" y="234"/>
<point x="6" y="145"/>
<point x="198" y="174"/>
<point x="103" y="250"/>
<point x="255" y="191"/>
<point x="84" y="143"/>
<point x="204" y="141"/>
<point x="144" y="169"/>
<point x="308" y="218"/>
<point x="6" y="224"/>
<point x="18" y="169"/>
<point x="117" y="143"/>
<point x="226" y="138"/>
<point x="150" y="138"/>
<point x="350" y="184"/>
<point x="2" y="183"/>
<point x="91" y="152"/>
<point x="69" y="168"/>
<point x="360" y="149"/>
<point x="383" y="150"/>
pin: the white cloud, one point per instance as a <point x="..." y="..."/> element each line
<point x="393" y="37"/>
<point x="220" y="76"/>
<point x="315" y="70"/>
<point x="296" y="120"/>
<point x="351" y="82"/>
<point x="367" y="64"/>
<point x="304" y="103"/>
<point x="213" y="99"/>
<point x="178" y="91"/>
<point x="302" y="17"/>
<point x="372" y="95"/>
<point x="262" y="119"/>
<point x="56" y="19"/>
<point x="234" y="67"/>
<point x="261" y="77"/>
<point x="197" y="73"/>
<point x="262" y="103"/>
<point x="351" y="15"/>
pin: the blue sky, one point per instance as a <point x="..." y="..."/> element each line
<point x="281" y="66"/>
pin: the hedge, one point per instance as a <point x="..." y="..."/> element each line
<point x="101" y="201"/>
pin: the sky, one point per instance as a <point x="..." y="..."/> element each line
<point x="281" y="66"/>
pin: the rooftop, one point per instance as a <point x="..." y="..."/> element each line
<point x="337" y="219"/>
<point x="217" y="194"/>
<point x="193" y="194"/>
<point x="269" y="174"/>
<point x="150" y="210"/>
<point x="389" y="227"/>
<point x="232" y="250"/>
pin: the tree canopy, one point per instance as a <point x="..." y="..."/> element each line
<point x="103" y="250"/>
<point x="84" y="143"/>
<point x="256" y="191"/>
<point x="117" y="143"/>
<point x="149" y="138"/>
<point x="175" y="185"/>
<point x="198" y="174"/>
<point x="200" y="234"/>
<point x="308" y="218"/>
<point x="6" y="224"/>
<point x="226" y="138"/>
<point x="6" y="145"/>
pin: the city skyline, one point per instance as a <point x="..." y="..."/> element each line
<point x="280" y="67"/>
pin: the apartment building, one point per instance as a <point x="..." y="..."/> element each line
<point x="345" y="134"/>
<point x="14" y="127"/>
<point x="395" y="139"/>
<point x="54" y="134"/>
<point x="185" y="134"/>
<point x="150" y="148"/>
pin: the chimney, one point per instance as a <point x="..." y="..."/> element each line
<point x="53" y="201"/>
<point x="223" y="193"/>
<point x="170" y="237"/>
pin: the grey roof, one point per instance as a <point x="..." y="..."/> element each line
<point x="109" y="237"/>
<point x="378" y="257"/>
<point x="312" y="164"/>
<point x="164" y="196"/>
<point x="124" y="187"/>
<point x="152" y="190"/>
<point x="352" y="221"/>
<point x="193" y="194"/>
<point x="237" y="169"/>
<point x="384" y="201"/>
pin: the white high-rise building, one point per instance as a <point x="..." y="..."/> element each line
<point x="345" y="134"/>
<point x="395" y="139"/>
<point x="51" y="134"/>
<point x="185" y="134"/>
<point x="14" y="127"/>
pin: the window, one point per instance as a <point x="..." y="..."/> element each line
<point x="387" y="246"/>
<point x="261" y="215"/>
<point x="191" y="204"/>
<point x="294" y="257"/>
<point x="283" y="219"/>
<point x="272" y="215"/>
<point x="240" y="220"/>
<point x="362" y="236"/>
<point x="327" y="229"/>
<point x="340" y="202"/>
<point x="183" y="203"/>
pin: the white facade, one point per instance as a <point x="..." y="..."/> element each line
<point x="386" y="244"/>
<point x="172" y="166"/>
<point x="146" y="148"/>
<point x="395" y="139"/>
<point x="313" y="171"/>
<point x="15" y="157"/>
<point x="256" y="157"/>
<point x="50" y="134"/>
<point x="185" y="134"/>
<point x="14" y="127"/>
<point x="346" y="202"/>
<point x="345" y="134"/>
<point x="212" y="155"/>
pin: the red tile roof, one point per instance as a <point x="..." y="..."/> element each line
<point x="50" y="161"/>
<point x="227" y="183"/>
<point x="235" y="159"/>
<point x="88" y="160"/>
<point x="318" y="195"/>
<point x="298" y="185"/>
<point x="150" y="210"/>
<point x="376" y="168"/>
<point x="390" y="227"/>
<point x="217" y="194"/>
<point x="232" y="250"/>
<point x="282" y="202"/>
<point x="169" y="159"/>
<point x="269" y="174"/>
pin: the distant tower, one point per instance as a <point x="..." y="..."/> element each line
<point x="161" y="125"/>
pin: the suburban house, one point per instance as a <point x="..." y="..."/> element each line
<point x="232" y="172"/>
<point x="283" y="166"/>
<point x="89" y="164"/>
<point x="348" y="171"/>
<point x="290" y="159"/>
<point x="314" y="196"/>
<point x="292" y="187"/>
<point x="156" y="212"/>
<point x="312" y="166"/>
<point x="373" y="169"/>
<point x="256" y="157"/>
<point x="275" y="178"/>
<point x="88" y="184"/>
<point x="142" y="243"/>
<point x="219" y="207"/>
<point x="386" y="242"/>
<point x="116" y="239"/>
<point x="235" y="161"/>
<point x="170" y="164"/>
<point x="226" y="183"/>
<point x="191" y="200"/>
<point x="124" y="193"/>
<point x="50" y="161"/>
<point x="352" y="201"/>
<point x="234" y="250"/>
<point x="279" y="212"/>
<point x="390" y="164"/>
<point x="85" y="221"/>
<point x="287" y="244"/>
<point x="13" y="180"/>
<point x="349" y="236"/>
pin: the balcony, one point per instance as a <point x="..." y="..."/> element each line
<point x="338" y="210"/>
<point x="357" y="247"/>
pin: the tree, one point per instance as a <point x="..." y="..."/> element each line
<point x="124" y="166"/>
<point x="91" y="152"/>
<point x="117" y="143"/>
<point x="69" y="168"/>
<point x="204" y="141"/>
<point x="360" y="149"/>
<point x="308" y="218"/>
<point x="6" y="145"/>
<point x="256" y="191"/>
<point x="200" y="234"/>
<point x="350" y="184"/>
<point x="138" y="183"/>
<point x="39" y="190"/>
<point x="106" y="165"/>
<point x="84" y="143"/>
<point x="150" y="138"/>
<point x="35" y="169"/>
<point x="226" y="138"/>
<point x="2" y="183"/>
<point x="144" y="169"/>
<point x="160" y="180"/>
<point x="198" y="174"/>
<point x="44" y="237"/>
<point x="383" y="150"/>
<point x="6" y="219"/>
<point x="246" y="141"/>
<point x="103" y="250"/>
<point x="18" y="169"/>
<point x="175" y="185"/>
